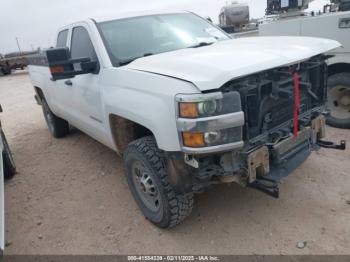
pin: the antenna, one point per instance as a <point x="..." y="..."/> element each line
<point x="19" y="48"/>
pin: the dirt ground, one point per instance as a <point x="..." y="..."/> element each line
<point x="71" y="197"/>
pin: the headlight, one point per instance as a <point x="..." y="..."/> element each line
<point x="214" y="104"/>
<point x="209" y="108"/>
<point x="209" y="120"/>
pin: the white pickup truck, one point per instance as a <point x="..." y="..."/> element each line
<point x="185" y="105"/>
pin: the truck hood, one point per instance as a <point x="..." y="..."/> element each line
<point x="212" y="66"/>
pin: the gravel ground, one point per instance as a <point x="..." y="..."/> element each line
<point x="71" y="197"/>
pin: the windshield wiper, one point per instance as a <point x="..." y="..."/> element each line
<point x="129" y="60"/>
<point x="201" y="44"/>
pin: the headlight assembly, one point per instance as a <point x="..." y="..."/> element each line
<point x="210" y="120"/>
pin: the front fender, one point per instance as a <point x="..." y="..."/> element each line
<point x="146" y="99"/>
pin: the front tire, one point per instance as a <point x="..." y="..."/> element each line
<point x="148" y="181"/>
<point x="9" y="163"/>
<point x="339" y="100"/>
<point x="58" y="127"/>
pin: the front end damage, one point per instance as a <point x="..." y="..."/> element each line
<point x="254" y="131"/>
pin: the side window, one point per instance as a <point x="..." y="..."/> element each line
<point x="81" y="45"/>
<point x="62" y="38"/>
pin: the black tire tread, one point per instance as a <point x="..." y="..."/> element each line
<point x="333" y="80"/>
<point x="60" y="126"/>
<point x="9" y="166"/>
<point x="180" y="205"/>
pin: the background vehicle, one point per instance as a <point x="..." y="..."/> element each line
<point x="7" y="170"/>
<point x="165" y="91"/>
<point x="333" y="24"/>
<point x="13" y="61"/>
<point x="235" y="18"/>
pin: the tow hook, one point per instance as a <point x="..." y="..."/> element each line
<point x="266" y="186"/>
<point x="332" y="145"/>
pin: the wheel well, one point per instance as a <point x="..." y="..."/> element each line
<point x="338" y="68"/>
<point x="125" y="131"/>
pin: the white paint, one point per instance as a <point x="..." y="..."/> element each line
<point x="212" y="66"/>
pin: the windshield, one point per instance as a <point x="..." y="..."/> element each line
<point x="132" y="38"/>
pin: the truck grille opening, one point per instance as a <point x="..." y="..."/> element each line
<point x="268" y="97"/>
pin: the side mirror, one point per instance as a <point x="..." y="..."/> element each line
<point x="62" y="66"/>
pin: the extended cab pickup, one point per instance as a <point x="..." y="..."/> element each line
<point x="185" y="105"/>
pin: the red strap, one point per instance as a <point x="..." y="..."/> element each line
<point x="296" y="104"/>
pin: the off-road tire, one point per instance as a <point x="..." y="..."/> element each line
<point x="58" y="127"/>
<point x="341" y="79"/>
<point x="9" y="164"/>
<point x="175" y="207"/>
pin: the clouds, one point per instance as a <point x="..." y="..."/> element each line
<point x="35" y="22"/>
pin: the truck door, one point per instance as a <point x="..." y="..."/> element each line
<point x="62" y="104"/>
<point x="84" y="89"/>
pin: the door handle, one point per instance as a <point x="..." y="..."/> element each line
<point x="68" y="83"/>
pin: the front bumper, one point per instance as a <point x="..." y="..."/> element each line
<point x="261" y="167"/>
<point x="269" y="184"/>
<point x="275" y="161"/>
<point x="280" y="160"/>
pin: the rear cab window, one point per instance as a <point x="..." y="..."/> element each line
<point x="62" y="38"/>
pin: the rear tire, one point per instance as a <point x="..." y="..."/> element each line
<point x="9" y="164"/>
<point x="149" y="184"/>
<point x="58" y="127"/>
<point x="339" y="100"/>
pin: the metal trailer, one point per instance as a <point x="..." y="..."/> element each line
<point x="334" y="25"/>
<point x="13" y="61"/>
